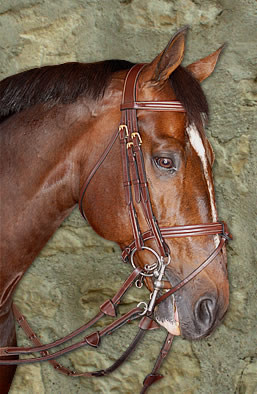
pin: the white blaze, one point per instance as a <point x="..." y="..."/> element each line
<point x="197" y="144"/>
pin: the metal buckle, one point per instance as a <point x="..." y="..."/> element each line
<point x="129" y="144"/>
<point x="134" y="134"/>
<point x="124" y="126"/>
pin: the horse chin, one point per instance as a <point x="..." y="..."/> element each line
<point x="167" y="316"/>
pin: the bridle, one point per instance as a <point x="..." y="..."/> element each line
<point x="134" y="174"/>
<point x="136" y="193"/>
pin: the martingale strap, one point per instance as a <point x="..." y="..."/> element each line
<point x="91" y="340"/>
<point x="107" y="308"/>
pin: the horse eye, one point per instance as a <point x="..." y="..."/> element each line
<point x="164" y="162"/>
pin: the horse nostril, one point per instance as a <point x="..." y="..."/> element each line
<point x="205" y="312"/>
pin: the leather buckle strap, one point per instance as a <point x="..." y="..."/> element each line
<point x="130" y="83"/>
<point x="133" y="162"/>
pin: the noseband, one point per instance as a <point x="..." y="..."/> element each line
<point x="136" y="193"/>
<point x="134" y="177"/>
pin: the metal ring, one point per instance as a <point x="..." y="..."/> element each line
<point x="139" y="284"/>
<point x="145" y="308"/>
<point x="150" y="250"/>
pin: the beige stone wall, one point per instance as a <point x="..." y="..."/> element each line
<point x="77" y="270"/>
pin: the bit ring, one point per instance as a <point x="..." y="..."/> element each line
<point x="159" y="261"/>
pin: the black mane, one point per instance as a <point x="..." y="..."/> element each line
<point x="59" y="84"/>
<point x="64" y="83"/>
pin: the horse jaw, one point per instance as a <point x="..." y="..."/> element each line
<point x="166" y="315"/>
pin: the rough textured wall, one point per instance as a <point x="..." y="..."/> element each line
<point x="77" y="270"/>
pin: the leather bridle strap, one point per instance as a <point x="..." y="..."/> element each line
<point x="180" y="231"/>
<point x="94" y="170"/>
<point x="146" y="324"/>
<point x="91" y="340"/>
<point x="154" y="105"/>
<point x="132" y="159"/>
<point x="127" y="184"/>
<point x="136" y="161"/>
<point x="194" y="273"/>
<point x="107" y="308"/>
<point x="154" y="376"/>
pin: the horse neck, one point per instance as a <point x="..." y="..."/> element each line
<point x="45" y="158"/>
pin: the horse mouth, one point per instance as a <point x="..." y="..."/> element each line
<point x="166" y="314"/>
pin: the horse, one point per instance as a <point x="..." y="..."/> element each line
<point x="56" y="122"/>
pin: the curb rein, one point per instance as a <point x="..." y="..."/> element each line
<point x="133" y="174"/>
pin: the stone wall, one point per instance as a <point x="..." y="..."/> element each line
<point x="77" y="270"/>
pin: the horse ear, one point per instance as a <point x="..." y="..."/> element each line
<point x="168" y="60"/>
<point x="203" y="68"/>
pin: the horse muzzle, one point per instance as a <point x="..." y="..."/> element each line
<point x="166" y="314"/>
<point x="191" y="315"/>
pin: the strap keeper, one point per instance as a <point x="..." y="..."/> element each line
<point x="93" y="339"/>
<point x="21" y="319"/>
<point x="98" y="374"/>
<point x="108" y="308"/>
<point x="225" y="232"/>
<point x="4" y="352"/>
<point x="125" y="254"/>
<point x="146" y="323"/>
<point x="44" y="353"/>
<point x="151" y="379"/>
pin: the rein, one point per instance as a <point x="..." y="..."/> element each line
<point x="136" y="193"/>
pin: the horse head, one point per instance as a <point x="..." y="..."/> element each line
<point x="178" y="161"/>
